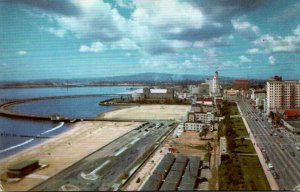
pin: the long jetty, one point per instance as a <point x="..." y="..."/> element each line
<point x="4" y="109"/>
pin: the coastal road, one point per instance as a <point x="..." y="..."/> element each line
<point x="109" y="167"/>
<point x="277" y="149"/>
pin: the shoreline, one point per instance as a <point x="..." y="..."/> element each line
<point x="65" y="149"/>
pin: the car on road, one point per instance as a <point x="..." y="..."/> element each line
<point x="282" y="148"/>
<point x="292" y="153"/>
<point x="298" y="148"/>
<point x="275" y="174"/>
<point x="270" y="166"/>
<point x="275" y="134"/>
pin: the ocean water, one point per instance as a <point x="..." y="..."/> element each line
<point x="68" y="107"/>
<point x="15" y="133"/>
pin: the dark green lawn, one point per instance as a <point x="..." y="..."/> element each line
<point x="234" y="110"/>
<point x="253" y="173"/>
<point x="239" y="127"/>
<point x="246" y="147"/>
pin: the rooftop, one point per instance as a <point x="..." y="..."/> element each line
<point x="158" y="90"/>
<point x="22" y="165"/>
<point x="292" y="113"/>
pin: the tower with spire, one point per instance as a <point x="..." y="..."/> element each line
<point x="214" y="86"/>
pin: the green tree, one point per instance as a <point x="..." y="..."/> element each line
<point x="204" y="131"/>
<point x="242" y="140"/>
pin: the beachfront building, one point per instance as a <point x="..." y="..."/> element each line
<point x="282" y="94"/>
<point x="150" y="94"/>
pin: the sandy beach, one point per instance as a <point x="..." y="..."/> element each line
<point x="64" y="150"/>
<point x="149" y="112"/>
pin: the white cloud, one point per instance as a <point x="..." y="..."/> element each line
<point x="125" y="4"/>
<point x="152" y="26"/>
<point x="228" y="64"/>
<point x="290" y="43"/>
<point x="22" y="52"/>
<point x="244" y="59"/>
<point x="297" y="30"/>
<point x="57" y="32"/>
<point x="95" y="47"/>
<point x="241" y="25"/>
<point x="125" y="44"/>
<point x="272" y="60"/>
<point x="253" y="51"/>
<point x="96" y="19"/>
<point x="196" y="58"/>
<point x="211" y="52"/>
<point x="216" y="41"/>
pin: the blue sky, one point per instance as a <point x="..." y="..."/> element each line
<point x="97" y="38"/>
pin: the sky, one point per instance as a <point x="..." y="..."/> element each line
<point x="53" y="39"/>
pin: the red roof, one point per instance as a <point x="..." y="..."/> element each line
<point x="292" y="113"/>
<point x="241" y="81"/>
<point x="204" y="99"/>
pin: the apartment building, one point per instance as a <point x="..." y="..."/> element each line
<point x="283" y="94"/>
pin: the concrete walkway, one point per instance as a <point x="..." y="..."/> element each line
<point x="272" y="182"/>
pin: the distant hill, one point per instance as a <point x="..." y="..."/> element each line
<point x="153" y="77"/>
<point x="142" y="78"/>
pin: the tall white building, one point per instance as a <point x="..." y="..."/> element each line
<point x="214" y="86"/>
<point x="283" y="94"/>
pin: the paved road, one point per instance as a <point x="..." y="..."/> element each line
<point x="276" y="149"/>
<point x="107" y="168"/>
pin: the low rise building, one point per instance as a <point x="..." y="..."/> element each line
<point x="292" y="125"/>
<point x="205" y="117"/>
<point x="150" y="94"/>
<point x="291" y="114"/>
<point x="205" y="101"/>
<point x="195" y="126"/>
<point x="230" y="94"/>
<point x="241" y="84"/>
<point x="22" y="169"/>
<point x="196" y="121"/>
<point x="258" y="94"/>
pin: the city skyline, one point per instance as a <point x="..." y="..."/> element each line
<point x="95" y="38"/>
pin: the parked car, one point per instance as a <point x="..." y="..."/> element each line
<point x="292" y="153"/>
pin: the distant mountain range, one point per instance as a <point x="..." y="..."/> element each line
<point x="136" y="78"/>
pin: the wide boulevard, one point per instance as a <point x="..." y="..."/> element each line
<point x="277" y="145"/>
